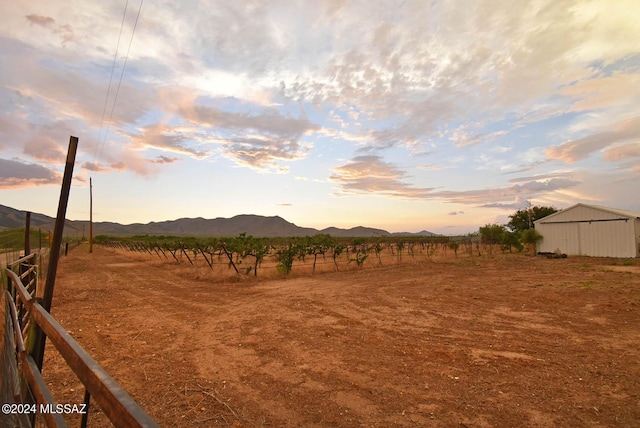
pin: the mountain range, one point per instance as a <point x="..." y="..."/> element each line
<point x="250" y="224"/>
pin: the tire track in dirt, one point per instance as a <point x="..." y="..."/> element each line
<point x="497" y="341"/>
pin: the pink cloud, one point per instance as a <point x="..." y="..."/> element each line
<point x="603" y="93"/>
<point x="369" y="174"/>
<point x="623" y="152"/>
<point x="572" y="151"/>
<point x="64" y="31"/>
<point x="93" y="166"/>
<point x="15" y="174"/>
<point x="163" y="159"/>
<point x="45" y="149"/>
<point x="43" y="21"/>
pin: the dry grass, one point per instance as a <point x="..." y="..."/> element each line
<point x="222" y="272"/>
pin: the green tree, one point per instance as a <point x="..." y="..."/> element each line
<point x="491" y="233"/>
<point x="317" y="245"/>
<point x="286" y="256"/>
<point x="337" y="250"/>
<point x="522" y="220"/>
<point x="361" y="250"/>
<point x="530" y="238"/>
<point x="247" y="245"/>
<point x="454" y="246"/>
<point x="510" y="240"/>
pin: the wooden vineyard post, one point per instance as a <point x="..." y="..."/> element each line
<point x="90" y="216"/>
<point x="27" y="233"/>
<point x="39" y="340"/>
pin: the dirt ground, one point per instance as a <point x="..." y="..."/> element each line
<point x="492" y="341"/>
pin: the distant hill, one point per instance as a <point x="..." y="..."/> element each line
<point x="10" y="217"/>
<point x="421" y="233"/>
<point x="250" y="224"/>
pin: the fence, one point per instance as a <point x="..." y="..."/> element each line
<point x="22" y="383"/>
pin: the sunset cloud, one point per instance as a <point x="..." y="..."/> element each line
<point x="369" y="174"/>
<point x="163" y="159"/>
<point x="622" y="152"/>
<point x="263" y="152"/>
<point x="502" y="195"/>
<point x="475" y="104"/>
<point x="162" y="137"/>
<point x="462" y="139"/>
<point x="257" y="140"/>
<point x="44" y="149"/>
<point x="94" y="167"/>
<point x="15" y="173"/>
<point x="572" y="151"/>
<point x="43" y="21"/>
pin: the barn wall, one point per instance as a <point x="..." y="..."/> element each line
<point x="572" y="233"/>
<point x="608" y="239"/>
<point x="563" y="237"/>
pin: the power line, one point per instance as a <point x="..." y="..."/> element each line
<point x="113" y="67"/>
<point x="124" y="66"/>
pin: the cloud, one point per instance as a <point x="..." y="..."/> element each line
<point x="503" y="205"/>
<point x="369" y="174"/>
<point x="80" y="178"/>
<point x="269" y="84"/>
<point x="572" y="151"/>
<point x="543" y="177"/>
<point x="262" y="152"/>
<point x="433" y="167"/>
<point x="163" y="159"/>
<point x="132" y="161"/>
<point x="123" y="161"/>
<point x="455" y="212"/>
<point x="163" y="137"/>
<point x="258" y="140"/>
<point x="604" y="92"/>
<point x="43" y="21"/>
<point x="462" y="139"/>
<point x="15" y="174"/>
<point x="44" y="149"/>
<point x="622" y="152"/>
<point x="269" y="121"/>
<point x="64" y="31"/>
<point x="416" y="77"/>
<point x="503" y="196"/>
<point x="95" y="167"/>
<point x="119" y="166"/>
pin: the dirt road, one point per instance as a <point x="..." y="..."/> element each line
<point x="495" y="341"/>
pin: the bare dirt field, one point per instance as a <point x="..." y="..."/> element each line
<point x="492" y="341"/>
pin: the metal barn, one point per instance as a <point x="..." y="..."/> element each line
<point x="590" y="230"/>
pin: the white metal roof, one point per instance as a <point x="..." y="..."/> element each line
<point x="622" y="213"/>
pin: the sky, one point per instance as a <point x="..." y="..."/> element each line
<point x="401" y="115"/>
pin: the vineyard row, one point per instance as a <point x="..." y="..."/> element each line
<point x="245" y="253"/>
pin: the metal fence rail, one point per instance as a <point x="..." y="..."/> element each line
<point x="26" y="314"/>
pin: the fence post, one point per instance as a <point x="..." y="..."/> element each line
<point x="27" y="234"/>
<point x="90" y="216"/>
<point x="54" y="251"/>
